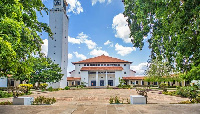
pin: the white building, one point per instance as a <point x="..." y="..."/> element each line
<point x="100" y="71"/>
<point x="58" y="46"/>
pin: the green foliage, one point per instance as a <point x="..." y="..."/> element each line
<point x="43" y="100"/>
<point x="121" y="83"/>
<point x="188" y="91"/>
<point x="43" y="86"/>
<point x="173" y="27"/>
<point x="111" y="100"/>
<point x="142" y="91"/>
<point x="172" y="93"/>
<point x="67" y="88"/>
<point x="163" y="86"/>
<point x="116" y="99"/>
<point x="6" y="103"/>
<point x="4" y="94"/>
<point x="19" y="39"/>
<point x="52" y="89"/>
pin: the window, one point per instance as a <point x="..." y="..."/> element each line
<point x="55" y="33"/>
<point x="54" y="60"/>
<point x="101" y="77"/>
<point x="54" y="46"/>
<point x="142" y="83"/>
<point x="148" y="83"/>
<point x="124" y="64"/>
<point x="79" y="65"/>
<point x="124" y="72"/>
<point x="104" y="64"/>
<point x="87" y="64"/>
<point x="64" y="61"/>
<point x="54" y="53"/>
<point x="131" y="82"/>
<point x="55" y="40"/>
<point x="118" y="64"/>
<point x="155" y="83"/>
<point x="78" y="72"/>
<point x="84" y="64"/>
<point x="136" y="82"/>
<point x="72" y="83"/>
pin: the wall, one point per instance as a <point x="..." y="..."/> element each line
<point x="84" y="77"/>
<point x="3" y="82"/>
<point x="118" y="74"/>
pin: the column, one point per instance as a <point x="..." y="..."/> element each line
<point x="74" y="82"/>
<point x="97" y="82"/>
<point x="106" y="79"/>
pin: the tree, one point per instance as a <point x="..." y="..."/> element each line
<point x="19" y="30"/>
<point x="174" y="29"/>
<point x="42" y="70"/>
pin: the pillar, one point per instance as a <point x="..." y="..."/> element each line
<point x="106" y="79"/>
<point x="97" y="82"/>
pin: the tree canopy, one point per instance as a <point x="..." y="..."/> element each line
<point x="173" y="27"/>
<point x="19" y="30"/>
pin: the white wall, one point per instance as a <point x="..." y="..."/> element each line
<point x="132" y="73"/>
<point x="84" y="77"/>
<point x="125" y="69"/>
<point x="77" y="69"/>
<point x="118" y="74"/>
<point x="3" y="82"/>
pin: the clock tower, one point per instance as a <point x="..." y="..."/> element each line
<point x="58" y="46"/>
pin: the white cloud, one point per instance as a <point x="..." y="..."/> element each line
<point x="101" y="1"/>
<point x="45" y="47"/>
<point x="121" y="27"/>
<point x="98" y="52"/>
<point x="74" y="40"/>
<point x="80" y="56"/>
<point x="83" y="38"/>
<point x="140" y="69"/>
<point x="124" y="50"/>
<point x="90" y="44"/>
<point x="82" y="35"/>
<point x="70" y="56"/>
<point x="108" y="43"/>
<point x="74" y="6"/>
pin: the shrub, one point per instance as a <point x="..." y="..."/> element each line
<point x="25" y="88"/>
<point x="116" y="99"/>
<point x="188" y="91"/>
<point x="6" y="103"/>
<point x="4" y="94"/>
<point x="43" y="100"/>
<point x="67" y="88"/>
<point x="111" y="100"/>
<point x="142" y="91"/>
<point x="43" y="86"/>
<point x="163" y="86"/>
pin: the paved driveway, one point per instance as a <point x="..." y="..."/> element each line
<point x="96" y="101"/>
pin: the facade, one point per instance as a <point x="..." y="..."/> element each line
<point x="101" y="71"/>
<point x="58" y="46"/>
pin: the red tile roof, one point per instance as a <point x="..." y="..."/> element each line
<point x="101" y="68"/>
<point x="73" y="78"/>
<point x="133" y="78"/>
<point x="102" y="59"/>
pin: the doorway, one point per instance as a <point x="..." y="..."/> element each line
<point x="101" y="82"/>
<point x="110" y="82"/>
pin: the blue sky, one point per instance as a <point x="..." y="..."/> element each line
<point x="98" y="27"/>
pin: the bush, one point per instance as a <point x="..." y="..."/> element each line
<point x="6" y="103"/>
<point x="4" y="94"/>
<point x="43" y="86"/>
<point x="67" y="88"/>
<point x="172" y="93"/>
<point x="163" y="86"/>
<point x="41" y="100"/>
<point x="52" y="89"/>
<point x="188" y="91"/>
<point x="25" y="88"/>
<point x="142" y="91"/>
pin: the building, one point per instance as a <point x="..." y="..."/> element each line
<point x="58" y="46"/>
<point x="100" y="71"/>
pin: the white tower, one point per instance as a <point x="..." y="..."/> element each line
<point x="58" y="46"/>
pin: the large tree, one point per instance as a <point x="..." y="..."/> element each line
<point x="19" y="30"/>
<point x="173" y="27"/>
<point x="42" y="69"/>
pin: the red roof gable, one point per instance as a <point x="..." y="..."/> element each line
<point x="102" y="59"/>
<point x="101" y="68"/>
